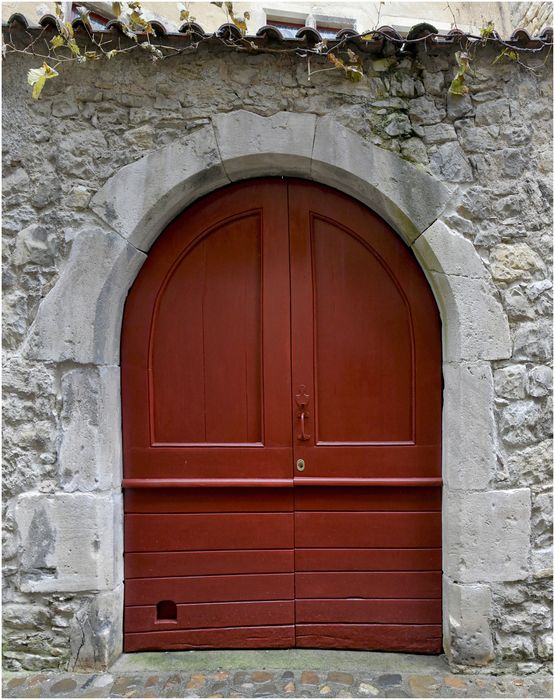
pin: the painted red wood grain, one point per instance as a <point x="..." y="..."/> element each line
<point x="395" y="611"/>
<point x="212" y="296"/>
<point x="198" y="531"/>
<point x="367" y="499"/>
<point x="332" y="530"/>
<point x="368" y="559"/>
<point x="423" y="639"/>
<point x="365" y="343"/>
<point x="247" y="614"/>
<point x="217" y="500"/>
<point x="245" y="561"/>
<point x="368" y="584"/>
<point x="207" y="589"/>
<point x="270" y="637"/>
<point x="253" y="292"/>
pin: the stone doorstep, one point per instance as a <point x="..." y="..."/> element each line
<point x="294" y="659"/>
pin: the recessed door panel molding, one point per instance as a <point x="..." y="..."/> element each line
<point x="363" y="383"/>
<point x="193" y="358"/>
<point x="281" y="384"/>
<point x="206" y="344"/>
<point x="365" y="343"/>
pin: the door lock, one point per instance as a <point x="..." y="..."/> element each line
<point x="300" y="465"/>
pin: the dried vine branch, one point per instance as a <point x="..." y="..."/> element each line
<point x="63" y="47"/>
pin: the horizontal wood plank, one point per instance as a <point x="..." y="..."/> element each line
<point x="215" y="500"/>
<point x="208" y="589"/>
<point x="396" y="611"/>
<point x="195" y="531"/>
<point x="389" y="530"/>
<point x="424" y="639"/>
<point x="367" y="499"/>
<point x="271" y="637"/>
<point x="245" y="561"/>
<point x="368" y="559"/>
<point x="352" y="584"/>
<point x="208" y="615"/>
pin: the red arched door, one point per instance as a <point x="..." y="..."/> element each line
<point x="281" y="381"/>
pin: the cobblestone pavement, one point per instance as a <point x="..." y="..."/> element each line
<point x="272" y="683"/>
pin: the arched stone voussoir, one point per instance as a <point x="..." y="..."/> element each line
<point x="80" y="317"/>
<point x="144" y="196"/>
<point x="255" y="146"/>
<point x="475" y="326"/>
<point x="439" y="249"/>
<point x="408" y="198"/>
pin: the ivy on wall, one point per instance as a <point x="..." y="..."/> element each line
<point x="342" y="56"/>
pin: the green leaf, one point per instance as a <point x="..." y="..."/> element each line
<point x="458" y="87"/>
<point x="487" y="30"/>
<point x="57" y="41"/>
<point x="354" y="73"/>
<point x="37" y="77"/>
<point x="240" y="24"/>
<point x="72" y="46"/>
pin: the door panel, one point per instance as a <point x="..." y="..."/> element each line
<point x="206" y="344"/>
<point x="262" y="637"/>
<point x="202" y="615"/>
<point x="423" y="639"/>
<point x="195" y="362"/>
<point x="178" y="532"/>
<point x="276" y="321"/>
<point x="365" y="344"/>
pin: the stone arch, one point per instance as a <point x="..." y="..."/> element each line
<point x="80" y="321"/>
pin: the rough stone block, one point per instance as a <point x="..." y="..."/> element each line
<point x="534" y="341"/>
<point x="521" y="423"/>
<point x="439" y="249"/>
<point x="475" y="326"/>
<point x="90" y="450"/>
<point x="510" y="263"/>
<point x="510" y="382"/>
<point x="255" y="146"/>
<point x="468" y="426"/>
<point x="540" y="381"/>
<point x="466" y="626"/>
<point x="451" y="162"/>
<point x="69" y="542"/>
<point x="96" y="634"/>
<point x="143" y="197"/>
<point x="80" y="318"/>
<point x="406" y="197"/>
<point x="487" y="535"/>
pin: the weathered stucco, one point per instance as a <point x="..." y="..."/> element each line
<point x="96" y="169"/>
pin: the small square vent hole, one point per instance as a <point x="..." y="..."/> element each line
<point x="166" y="610"/>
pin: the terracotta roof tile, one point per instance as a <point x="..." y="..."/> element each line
<point x="520" y="38"/>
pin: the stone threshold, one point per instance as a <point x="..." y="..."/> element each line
<point x="294" y="659"/>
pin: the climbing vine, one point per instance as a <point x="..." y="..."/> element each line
<point x="63" y="47"/>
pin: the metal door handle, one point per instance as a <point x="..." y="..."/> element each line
<point x="303" y="435"/>
<point x="302" y="399"/>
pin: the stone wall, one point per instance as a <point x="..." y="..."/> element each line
<point x="532" y="16"/>
<point x="62" y="513"/>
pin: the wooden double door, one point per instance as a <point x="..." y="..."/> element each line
<point x="281" y="383"/>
